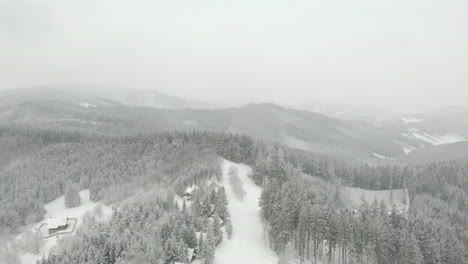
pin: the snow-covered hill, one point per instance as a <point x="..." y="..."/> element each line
<point x="426" y="132"/>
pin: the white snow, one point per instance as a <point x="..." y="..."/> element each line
<point x="411" y="119"/>
<point x="435" y="139"/>
<point x="382" y="156"/>
<point x="190" y="189"/>
<point x="57" y="210"/>
<point x="378" y="156"/>
<point x="450" y="138"/>
<point x="86" y="105"/>
<point x="247" y="245"/>
<point x="55" y="222"/>
<point x="408" y="150"/>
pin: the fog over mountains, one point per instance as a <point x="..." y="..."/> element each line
<point x="233" y="132"/>
<point x="383" y="138"/>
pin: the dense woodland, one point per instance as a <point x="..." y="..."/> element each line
<point x="141" y="174"/>
<point x="315" y="217"/>
<point x="316" y="221"/>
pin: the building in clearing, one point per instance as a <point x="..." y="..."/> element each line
<point x="56" y="224"/>
<point x="189" y="190"/>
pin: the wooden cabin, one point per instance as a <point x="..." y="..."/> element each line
<point x="56" y="224"/>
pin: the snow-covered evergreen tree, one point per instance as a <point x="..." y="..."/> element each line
<point x="217" y="232"/>
<point x="287" y="255"/>
<point x="190" y="238"/>
<point x="209" y="246"/>
<point x="229" y="228"/>
<point x="72" y="197"/>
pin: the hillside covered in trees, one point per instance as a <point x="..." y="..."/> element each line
<point x="143" y="174"/>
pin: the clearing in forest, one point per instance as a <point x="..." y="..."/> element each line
<point x="247" y="244"/>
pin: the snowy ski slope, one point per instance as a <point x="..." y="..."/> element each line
<point x="247" y="244"/>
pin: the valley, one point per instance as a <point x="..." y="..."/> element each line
<point x="233" y="132"/>
<point x="308" y="188"/>
<point x="388" y="141"/>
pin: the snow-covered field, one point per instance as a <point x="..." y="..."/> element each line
<point x="247" y="245"/>
<point x="57" y="209"/>
<point x="435" y="139"/>
<point x="411" y="119"/>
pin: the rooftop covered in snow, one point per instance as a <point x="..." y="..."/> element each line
<point x="54" y="223"/>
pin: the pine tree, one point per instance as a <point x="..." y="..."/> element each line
<point x="180" y="187"/>
<point x="184" y="206"/>
<point x="217" y="232"/>
<point x="221" y="204"/>
<point x="176" y="250"/>
<point x="210" y="245"/>
<point x="182" y="253"/>
<point x="201" y="245"/>
<point x="409" y="251"/>
<point x="229" y="228"/>
<point x="72" y="197"/>
<point x="94" y="191"/>
<point x="190" y="238"/>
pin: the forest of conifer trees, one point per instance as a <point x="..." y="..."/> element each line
<point x="149" y="228"/>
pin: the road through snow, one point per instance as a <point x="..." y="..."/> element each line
<point x="247" y="244"/>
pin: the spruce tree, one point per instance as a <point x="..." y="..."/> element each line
<point x="218" y="233"/>
<point x="190" y="238"/>
<point x="201" y="245"/>
<point x="182" y="252"/>
<point x="184" y="206"/>
<point x="72" y="197"/>
<point x="209" y="248"/>
<point x="94" y="191"/>
<point x="229" y="228"/>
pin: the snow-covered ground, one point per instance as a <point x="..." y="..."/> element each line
<point x="410" y="119"/>
<point x="382" y="156"/>
<point x="86" y="105"/>
<point x="247" y="245"/>
<point x="57" y="209"/>
<point x="435" y="139"/>
<point x="408" y="149"/>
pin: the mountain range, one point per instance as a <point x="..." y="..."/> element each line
<point x="419" y="138"/>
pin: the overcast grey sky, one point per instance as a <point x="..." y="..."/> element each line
<point x="393" y="53"/>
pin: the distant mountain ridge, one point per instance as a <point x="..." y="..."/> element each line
<point x="121" y="95"/>
<point x="388" y="141"/>
<point x="349" y="111"/>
